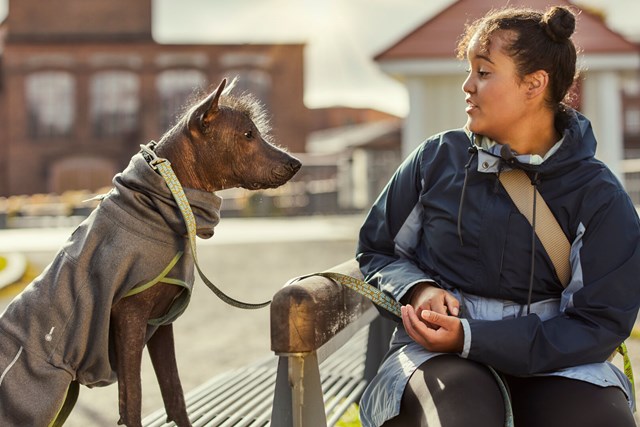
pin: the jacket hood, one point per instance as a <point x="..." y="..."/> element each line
<point x="141" y="188"/>
<point x="579" y="143"/>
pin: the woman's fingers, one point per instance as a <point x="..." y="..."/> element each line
<point x="433" y="331"/>
<point x="449" y="338"/>
<point x="414" y="326"/>
<point x="453" y="304"/>
<point x="435" y="299"/>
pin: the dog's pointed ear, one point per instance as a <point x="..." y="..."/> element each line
<point x="210" y="106"/>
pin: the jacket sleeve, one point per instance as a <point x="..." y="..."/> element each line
<point x="391" y="231"/>
<point x="601" y="307"/>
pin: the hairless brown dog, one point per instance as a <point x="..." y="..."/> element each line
<point x="126" y="272"/>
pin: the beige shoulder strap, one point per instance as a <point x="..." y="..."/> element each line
<point x="555" y="242"/>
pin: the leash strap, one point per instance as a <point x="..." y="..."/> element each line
<point x="368" y="291"/>
<point x="67" y="406"/>
<point x="628" y="370"/>
<point x="164" y="167"/>
<point x="161" y="278"/>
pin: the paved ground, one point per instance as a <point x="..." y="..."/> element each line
<point x="250" y="259"/>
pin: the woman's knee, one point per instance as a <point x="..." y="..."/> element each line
<point x="450" y="391"/>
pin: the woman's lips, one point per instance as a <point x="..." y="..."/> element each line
<point x="470" y="106"/>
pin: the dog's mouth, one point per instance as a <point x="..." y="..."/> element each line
<point x="262" y="185"/>
<point x="278" y="177"/>
<point x="254" y="186"/>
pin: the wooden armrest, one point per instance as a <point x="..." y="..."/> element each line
<point x="308" y="313"/>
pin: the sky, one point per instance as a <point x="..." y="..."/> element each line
<point x="342" y="37"/>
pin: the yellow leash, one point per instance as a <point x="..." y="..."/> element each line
<point x="628" y="370"/>
<point x="164" y="167"/>
<point x="374" y="294"/>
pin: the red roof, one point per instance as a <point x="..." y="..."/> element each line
<point x="437" y="38"/>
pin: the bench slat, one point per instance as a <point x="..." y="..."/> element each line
<point x="339" y="393"/>
<point x="244" y="397"/>
<point x="348" y="400"/>
<point x="234" y="400"/>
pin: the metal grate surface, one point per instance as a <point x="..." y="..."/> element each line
<point x="244" y="397"/>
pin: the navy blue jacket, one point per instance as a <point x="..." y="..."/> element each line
<point x="416" y="231"/>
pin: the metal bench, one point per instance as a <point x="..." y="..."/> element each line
<point x="328" y="342"/>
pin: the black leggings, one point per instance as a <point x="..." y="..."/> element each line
<point x="449" y="391"/>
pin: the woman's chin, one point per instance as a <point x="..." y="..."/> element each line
<point x="473" y="127"/>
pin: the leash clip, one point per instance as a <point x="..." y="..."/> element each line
<point x="150" y="155"/>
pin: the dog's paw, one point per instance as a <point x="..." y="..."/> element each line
<point x="180" y="421"/>
<point x="123" y="422"/>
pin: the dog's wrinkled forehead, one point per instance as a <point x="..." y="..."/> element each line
<point x="250" y="106"/>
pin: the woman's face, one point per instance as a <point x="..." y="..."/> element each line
<point x="495" y="95"/>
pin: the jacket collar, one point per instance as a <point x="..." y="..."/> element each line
<point x="577" y="143"/>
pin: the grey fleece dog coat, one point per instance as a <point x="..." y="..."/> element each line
<point x="57" y="329"/>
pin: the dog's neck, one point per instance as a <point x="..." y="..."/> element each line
<point x="185" y="164"/>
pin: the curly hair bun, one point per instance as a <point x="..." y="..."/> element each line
<point x="559" y="23"/>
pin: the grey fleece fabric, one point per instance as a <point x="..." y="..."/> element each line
<point x="57" y="329"/>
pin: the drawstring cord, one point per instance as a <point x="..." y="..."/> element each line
<point x="496" y="184"/>
<point x="473" y="150"/>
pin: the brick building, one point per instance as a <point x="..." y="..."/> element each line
<point x="80" y="92"/>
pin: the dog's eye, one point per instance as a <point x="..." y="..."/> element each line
<point x="248" y="134"/>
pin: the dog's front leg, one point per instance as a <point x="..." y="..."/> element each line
<point x="162" y="352"/>
<point x="129" y="328"/>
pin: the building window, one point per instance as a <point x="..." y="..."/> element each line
<point x="255" y="82"/>
<point x="175" y="87"/>
<point x="50" y="104"/>
<point x="81" y="173"/>
<point x="632" y="121"/>
<point x="115" y="104"/>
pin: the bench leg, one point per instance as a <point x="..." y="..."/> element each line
<point x="281" y="414"/>
<point x="298" y="402"/>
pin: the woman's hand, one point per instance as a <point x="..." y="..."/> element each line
<point x="426" y="296"/>
<point x="431" y="319"/>
<point x="434" y="331"/>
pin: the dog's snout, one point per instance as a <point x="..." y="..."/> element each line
<point x="289" y="168"/>
<point x="286" y="170"/>
<point x="294" y="165"/>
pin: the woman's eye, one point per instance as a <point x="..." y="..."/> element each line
<point x="480" y="73"/>
<point x="248" y="134"/>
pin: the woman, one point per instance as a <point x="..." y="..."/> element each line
<point x="479" y="290"/>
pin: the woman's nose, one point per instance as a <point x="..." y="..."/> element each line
<point x="467" y="85"/>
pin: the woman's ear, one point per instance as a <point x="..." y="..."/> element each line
<point x="536" y="83"/>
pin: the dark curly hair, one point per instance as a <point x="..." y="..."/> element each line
<point x="535" y="41"/>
